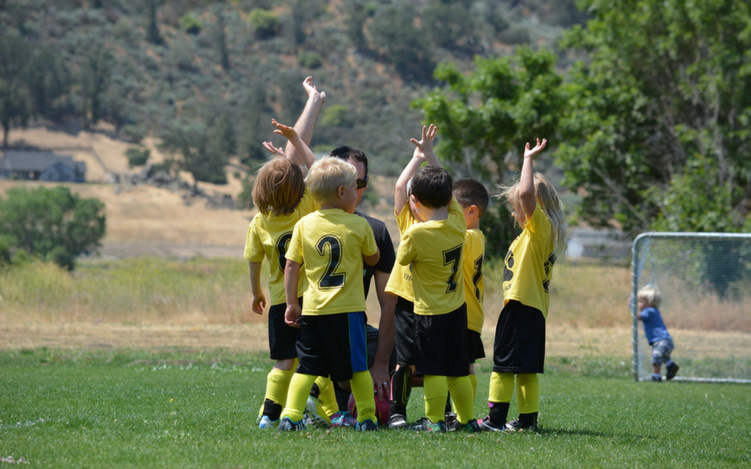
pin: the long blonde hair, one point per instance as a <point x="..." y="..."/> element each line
<point x="279" y="187"/>
<point x="547" y="198"/>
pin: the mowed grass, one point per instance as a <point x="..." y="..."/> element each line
<point x="182" y="408"/>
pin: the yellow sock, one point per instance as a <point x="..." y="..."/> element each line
<point x="528" y="393"/>
<point x="362" y="389"/>
<point x="327" y="395"/>
<point x="436" y="390"/>
<point x="463" y="397"/>
<point x="277" y="385"/>
<point x="473" y="379"/>
<point x="501" y="387"/>
<point x="299" y="390"/>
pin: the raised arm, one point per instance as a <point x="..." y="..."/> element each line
<point x="526" y="181"/>
<point x="306" y="122"/>
<point x="423" y="152"/>
<point x="302" y="149"/>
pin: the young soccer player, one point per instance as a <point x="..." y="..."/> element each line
<point x="519" y="348"/>
<point x="332" y="243"/>
<point x="473" y="197"/>
<point x="433" y="247"/>
<point x="280" y="195"/>
<point x="400" y="286"/>
<point x="648" y="300"/>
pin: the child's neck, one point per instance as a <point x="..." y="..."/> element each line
<point x="328" y="206"/>
<point x="434" y="214"/>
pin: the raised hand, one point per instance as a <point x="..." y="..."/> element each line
<point x="312" y="91"/>
<point x="424" y="146"/>
<point x="272" y="149"/>
<point x="534" y="151"/>
<point x="285" y="130"/>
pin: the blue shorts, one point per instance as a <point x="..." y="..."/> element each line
<point x="661" y="350"/>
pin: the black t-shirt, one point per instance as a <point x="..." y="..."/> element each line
<point x="385" y="246"/>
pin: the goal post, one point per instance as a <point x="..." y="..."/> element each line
<point x="705" y="283"/>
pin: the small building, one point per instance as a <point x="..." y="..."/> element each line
<point x="40" y="166"/>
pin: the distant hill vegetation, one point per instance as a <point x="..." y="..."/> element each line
<point x="211" y="74"/>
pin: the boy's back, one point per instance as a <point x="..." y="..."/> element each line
<point x="434" y="249"/>
<point x="331" y="244"/>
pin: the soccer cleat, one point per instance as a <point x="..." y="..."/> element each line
<point x="449" y="418"/>
<point x="315" y="412"/>
<point x="672" y="370"/>
<point x="343" y="419"/>
<point x="518" y="426"/>
<point x="472" y="426"/>
<point x="486" y="425"/>
<point x="366" y="426"/>
<point x="266" y="423"/>
<point x="425" y="425"/>
<point x="397" y="422"/>
<point x="656" y="379"/>
<point x="287" y="425"/>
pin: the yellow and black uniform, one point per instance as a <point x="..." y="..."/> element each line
<point x="519" y="346"/>
<point x="331" y="243"/>
<point x="400" y="285"/>
<point x="434" y="249"/>
<point x="268" y="237"/>
<point x="474" y="291"/>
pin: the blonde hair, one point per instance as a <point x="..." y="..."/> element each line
<point x="327" y="175"/>
<point x="547" y="198"/>
<point x="279" y="187"/>
<point x="650" y="294"/>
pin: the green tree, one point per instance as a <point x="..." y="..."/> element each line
<point x="93" y="79"/>
<point x="398" y="40"/>
<point x="200" y="155"/>
<point x="485" y="117"/>
<point x="52" y="224"/>
<point x="660" y="126"/>
<point x="255" y="123"/>
<point x="16" y="98"/>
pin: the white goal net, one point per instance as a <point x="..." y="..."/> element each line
<point x="705" y="282"/>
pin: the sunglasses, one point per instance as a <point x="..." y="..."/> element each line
<point x="361" y="183"/>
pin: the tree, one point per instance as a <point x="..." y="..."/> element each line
<point x="52" y="224"/>
<point x="201" y="157"/>
<point x="255" y="123"/>
<point x="16" y="100"/>
<point x="660" y="126"/>
<point x="485" y="117"/>
<point x="399" y="41"/>
<point x="94" y="78"/>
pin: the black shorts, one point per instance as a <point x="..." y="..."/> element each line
<point x="441" y="343"/>
<point x="282" y="337"/>
<point x="333" y="345"/>
<point x="519" y="345"/>
<point x="475" y="348"/>
<point x="404" y="326"/>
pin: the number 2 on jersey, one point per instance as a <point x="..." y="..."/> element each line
<point x="330" y="278"/>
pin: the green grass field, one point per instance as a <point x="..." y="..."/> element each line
<point x="183" y="408"/>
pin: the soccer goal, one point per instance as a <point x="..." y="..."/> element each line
<point x="705" y="282"/>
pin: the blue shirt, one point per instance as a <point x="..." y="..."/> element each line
<point x="654" y="327"/>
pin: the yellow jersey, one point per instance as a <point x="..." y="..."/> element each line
<point x="435" y="250"/>
<point x="330" y="244"/>
<point x="474" y="285"/>
<point x="268" y="236"/>
<point x="400" y="280"/>
<point x="528" y="268"/>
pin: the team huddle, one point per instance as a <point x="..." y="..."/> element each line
<point x="322" y="255"/>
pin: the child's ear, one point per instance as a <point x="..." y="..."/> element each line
<point x="340" y="191"/>
<point x="473" y="210"/>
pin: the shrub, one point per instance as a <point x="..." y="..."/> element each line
<point x="265" y="23"/>
<point x="190" y="24"/>
<point x="515" y="35"/>
<point x="51" y="224"/>
<point x="309" y="59"/>
<point x="137" y="156"/>
<point x="335" y="115"/>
